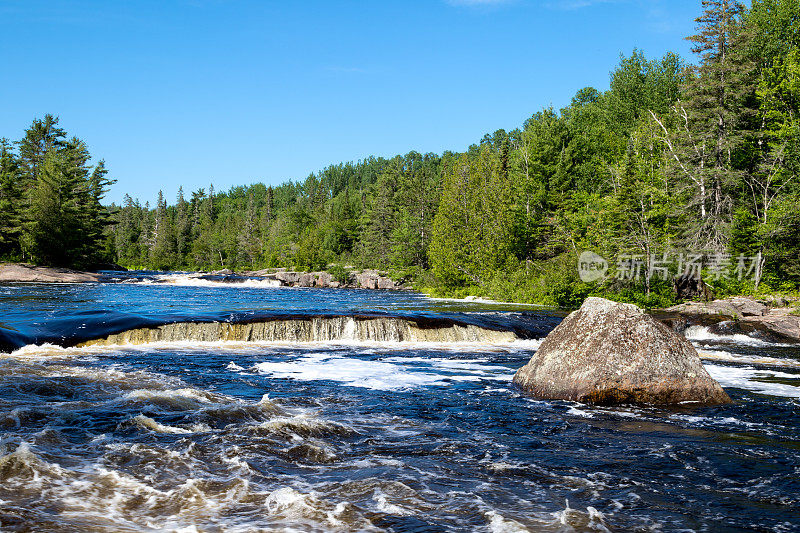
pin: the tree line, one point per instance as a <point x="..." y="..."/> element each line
<point x="673" y="156"/>
<point x="51" y="209"/>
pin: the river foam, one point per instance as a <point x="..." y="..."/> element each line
<point x="703" y="334"/>
<point x="755" y="380"/>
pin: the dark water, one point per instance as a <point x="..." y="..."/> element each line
<point x="364" y="436"/>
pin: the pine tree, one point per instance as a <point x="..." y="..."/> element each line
<point x="196" y="203"/>
<point x="183" y="227"/>
<point x="163" y="248"/>
<point x="248" y="242"/>
<point x="379" y="221"/>
<point x="10" y="201"/>
<point x="474" y="225"/>
<point x="52" y="231"/>
<point x="713" y="120"/>
<point x="416" y="201"/>
<point x="98" y="216"/>
<point x="127" y="232"/>
<point x="41" y="137"/>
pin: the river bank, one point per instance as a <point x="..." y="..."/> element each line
<point x="27" y="273"/>
<point x="772" y="316"/>
<point x="280" y="277"/>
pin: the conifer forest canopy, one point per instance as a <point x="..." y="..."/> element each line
<point x="678" y="154"/>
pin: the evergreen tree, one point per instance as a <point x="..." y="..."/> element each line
<point x="713" y="121"/>
<point x="127" y="232"/>
<point x="98" y="216"/>
<point x="380" y="219"/>
<point x="416" y="199"/>
<point x="473" y="228"/>
<point x="41" y="137"/>
<point x="249" y="243"/>
<point x="163" y="239"/>
<point x="53" y="229"/>
<point x="183" y="227"/>
<point x="10" y="201"/>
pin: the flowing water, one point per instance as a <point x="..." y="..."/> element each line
<point x="354" y="432"/>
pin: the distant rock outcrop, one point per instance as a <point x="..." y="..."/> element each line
<point x="364" y="279"/>
<point x="612" y="353"/>
<point x="22" y="272"/>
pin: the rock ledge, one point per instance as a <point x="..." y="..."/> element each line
<point x="738" y="314"/>
<point x="25" y="273"/>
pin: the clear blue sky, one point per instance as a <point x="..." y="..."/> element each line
<point x="233" y="92"/>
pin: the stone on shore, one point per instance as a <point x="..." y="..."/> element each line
<point x="779" y="322"/>
<point x="25" y="273"/>
<point x="612" y="353"/>
<point x="366" y="279"/>
<point x="738" y="314"/>
<point x="736" y="307"/>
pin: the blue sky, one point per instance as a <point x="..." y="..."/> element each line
<point x="192" y="92"/>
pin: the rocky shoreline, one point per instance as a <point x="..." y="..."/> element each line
<point x="357" y="279"/>
<point x="771" y="318"/>
<point x="27" y="273"/>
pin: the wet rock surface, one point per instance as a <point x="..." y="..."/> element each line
<point x="316" y="329"/>
<point x="612" y="353"/>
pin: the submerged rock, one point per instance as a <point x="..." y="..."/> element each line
<point x="612" y="353"/>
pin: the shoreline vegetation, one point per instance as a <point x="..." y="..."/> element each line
<point x="688" y="160"/>
<point x="774" y="317"/>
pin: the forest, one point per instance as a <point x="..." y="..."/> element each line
<point x="675" y="159"/>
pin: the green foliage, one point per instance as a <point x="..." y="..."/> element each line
<point x="10" y="201"/>
<point x="472" y="232"/>
<point x="309" y="254"/>
<point x="671" y="156"/>
<point x="339" y="273"/>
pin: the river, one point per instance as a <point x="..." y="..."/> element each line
<point x="346" y="434"/>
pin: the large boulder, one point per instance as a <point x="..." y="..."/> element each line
<point x="748" y="306"/>
<point x="771" y="318"/>
<point x="368" y="279"/>
<point x="612" y="353"/>
<point x="323" y="280"/>
<point x="386" y="283"/>
<point x="287" y="278"/>
<point x="779" y="322"/>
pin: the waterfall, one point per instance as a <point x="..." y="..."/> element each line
<point x="311" y="329"/>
